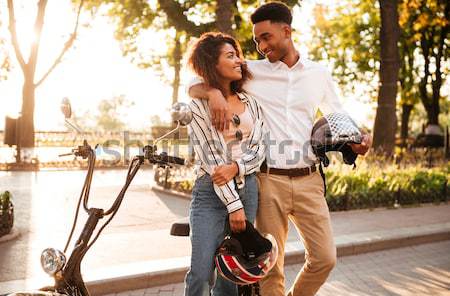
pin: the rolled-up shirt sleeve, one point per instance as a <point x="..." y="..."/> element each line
<point x="210" y="153"/>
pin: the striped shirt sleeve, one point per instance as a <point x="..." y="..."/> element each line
<point x="254" y="155"/>
<point x="210" y="153"/>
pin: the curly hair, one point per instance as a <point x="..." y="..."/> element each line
<point x="204" y="57"/>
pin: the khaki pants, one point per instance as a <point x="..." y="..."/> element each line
<point x="301" y="200"/>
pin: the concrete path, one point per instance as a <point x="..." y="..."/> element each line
<point x="422" y="270"/>
<point x="137" y="250"/>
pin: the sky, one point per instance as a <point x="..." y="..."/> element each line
<point x="95" y="68"/>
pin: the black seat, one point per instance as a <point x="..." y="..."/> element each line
<point x="181" y="227"/>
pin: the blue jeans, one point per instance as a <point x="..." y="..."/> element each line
<point x="207" y="220"/>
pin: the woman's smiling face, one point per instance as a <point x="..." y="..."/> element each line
<point x="229" y="63"/>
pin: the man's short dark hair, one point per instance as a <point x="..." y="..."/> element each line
<point x="276" y="12"/>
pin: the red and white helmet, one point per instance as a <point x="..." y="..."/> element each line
<point x="245" y="258"/>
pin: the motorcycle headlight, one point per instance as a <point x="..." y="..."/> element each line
<point x="52" y="260"/>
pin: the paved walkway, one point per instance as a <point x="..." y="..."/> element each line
<point x="422" y="270"/>
<point x="44" y="213"/>
<point x="44" y="206"/>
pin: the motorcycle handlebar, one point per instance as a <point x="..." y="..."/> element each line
<point x="65" y="154"/>
<point x="162" y="158"/>
<point x="171" y="159"/>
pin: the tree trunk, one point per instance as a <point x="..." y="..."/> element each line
<point x="386" y="119"/>
<point x="177" y="68"/>
<point x="429" y="101"/>
<point x="433" y="115"/>
<point x="224" y="12"/>
<point x="29" y="87"/>
<point x="404" y="129"/>
<point x="26" y="134"/>
<point x="434" y="50"/>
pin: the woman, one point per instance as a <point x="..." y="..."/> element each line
<point x="226" y="187"/>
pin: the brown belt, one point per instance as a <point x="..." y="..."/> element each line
<point x="297" y="172"/>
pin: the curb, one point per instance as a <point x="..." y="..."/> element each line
<point x="142" y="275"/>
<point x="346" y="246"/>
<point x="349" y="245"/>
<point x="159" y="189"/>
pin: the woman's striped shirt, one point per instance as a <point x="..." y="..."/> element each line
<point x="211" y="149"/>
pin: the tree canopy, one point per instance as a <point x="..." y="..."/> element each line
<point x="349" y="38"/>
<point x="109" y="111"/>
<point x="181" y="20"/>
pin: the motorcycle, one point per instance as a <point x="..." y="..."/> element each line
<point x="67" y="272"/>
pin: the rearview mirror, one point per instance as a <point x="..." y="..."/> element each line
<point x="66" y="108"/>
<point x="181" y="113"/>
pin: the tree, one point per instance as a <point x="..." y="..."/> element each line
<point x="225" y="12"/>
<point x="28" y="67"/>
<point x="408" y="91"/>
<point x="386" y="118"/>
<point x="348" y="37"/>
<point x="110" y="111"/>
<point x="426" y="26"/>
<point x="135" y="18"/>
<point x="180" y="19"/>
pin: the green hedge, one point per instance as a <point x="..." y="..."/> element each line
<point x="370" y="185"/>
<point x="386" y="187"/>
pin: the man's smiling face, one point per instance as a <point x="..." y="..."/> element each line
<point x="271" y="39"/>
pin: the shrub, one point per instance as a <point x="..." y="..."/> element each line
<point x="376" y="182"/>
<point x="6" y="213"/>
<point x="385" y="187"/>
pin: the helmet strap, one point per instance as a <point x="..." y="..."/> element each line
<point x="322" y="174"/>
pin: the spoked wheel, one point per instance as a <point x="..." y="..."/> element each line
<point x="249" y="290"/>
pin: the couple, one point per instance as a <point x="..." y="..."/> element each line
<point x="245" y="113"/>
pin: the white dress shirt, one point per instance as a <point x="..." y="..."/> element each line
<point x="289" y="99"/>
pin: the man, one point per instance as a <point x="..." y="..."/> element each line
<point x="289" y="89"/>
